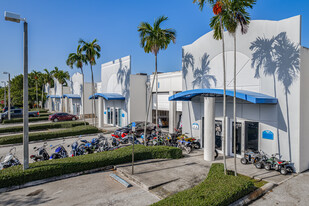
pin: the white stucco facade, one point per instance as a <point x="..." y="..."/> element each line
<point x="270" y="61"/>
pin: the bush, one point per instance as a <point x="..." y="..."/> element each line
<point x="45" y="114"/>
<point x="45" y="169"/>
<point x="79" y="130"/>
<point x="36" y="127"/>
<point x="40" y="110"/>
<point x="216" y="189"/>
<point x="31" y="119"/>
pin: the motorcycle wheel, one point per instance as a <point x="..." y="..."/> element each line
<point x="188" y="149"/>
<point x="283" y="171"/>
<point x="289" y="169"/>
<point x="267" y="166"/>
<point x="243" y="161"/>
<point x="258" y="165"/>
<point x="197" y="145"/>
<point x="54" y="156"/>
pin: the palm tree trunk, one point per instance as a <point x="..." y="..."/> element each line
<point x="156" y="76"/>
<point x="224" y="98"/>
<point x="93" y="99"/>
<point x="234" y="105"/>
<point x="62" y="98"/>
<point x="82" y="96"/>
<point x="37" y="97"/>
<point x="147" y="112"/>
<point x="42" y="96"/>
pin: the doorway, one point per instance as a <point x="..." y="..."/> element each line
<point x="238" y="138"/>
<point x="118" y="117"/>
<point x="218" y="135"/>
<point x="252" y="136"/>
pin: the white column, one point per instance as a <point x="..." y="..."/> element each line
<point x="172" y="114"/>
<point x="209" y="128"/>
<point x="101" y="111"/>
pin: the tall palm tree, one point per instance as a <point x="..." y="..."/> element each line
<point x="62" y="78"/>
<point x="36" y="76"/>
<point x="153" y="39"/>
<point x="78" y="59"/>
<point x="92" y="52"/>
<point x="48" y="76"/>
<point x="218" y="23"/>
<point x="238" y="16"/>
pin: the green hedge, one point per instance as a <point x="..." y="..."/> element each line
<point x="45" y="114"/>
<point x="79" y="130"/>
<point x="40" y="110"/>
<point x="217" y="189"/>
<point x="31" y="119"/>
<point x="45" y="169"/>
<point x="36" y="127"/>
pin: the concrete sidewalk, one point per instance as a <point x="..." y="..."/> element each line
<point x="166" y="177"/>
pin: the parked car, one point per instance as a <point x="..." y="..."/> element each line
<point x="17" y="113"/>
<point x="62" y="117"/>
<point x="139" y="128"/>
<point x="7" y="108"/>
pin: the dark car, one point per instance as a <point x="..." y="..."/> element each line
<point x="7" y="108"/>
<point x="139" y="128"/>
<point x="62" y="117"/>
<point x="17" y="113"/>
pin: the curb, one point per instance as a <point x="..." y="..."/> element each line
<point x="52" y="179"/>
<point x="254" y="195"/>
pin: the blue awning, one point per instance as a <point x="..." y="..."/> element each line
<point x="253" y="97"/>
<point x="108" y="96"/>
<point x="53" y="96"/>
<point x="71" y="96"/>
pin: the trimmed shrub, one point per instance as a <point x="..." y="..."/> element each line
<point x="40" y="170"/>
<point x="31" y="119"/>
<point x="79" y="130"/>
<point x="40" y="110"/>
<point x="45" y="114"/>
<point x="216" y="189"/>
<point x="36" y="127"/>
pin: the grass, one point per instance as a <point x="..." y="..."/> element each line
<point x="14" y="176"/>
<point x="217" y="189"/>
<point x="45" y="126"/>
<point x="78" y="130"/>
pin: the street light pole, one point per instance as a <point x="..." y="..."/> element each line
<point x="16" y="18"/>
<point x="9" y="96"/>
<point x="4" y="97"/>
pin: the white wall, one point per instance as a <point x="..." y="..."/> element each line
<point x="202" y="68"/>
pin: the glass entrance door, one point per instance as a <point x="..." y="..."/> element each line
<point x="218" y="134"/>
<point x="118" y="117"/>
<point x="252" y="136"/>
<point x="238" y="138"/>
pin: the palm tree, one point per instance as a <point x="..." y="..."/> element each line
<point x="78" y="59"/>
<point x="218" y="22"/>
<point x="153" y="39"/>
<point x="238" y="16"/>
<point x="36" y="76"/>
<point x="92" y="51"/>
<point x="48" y="77"/>
<point x="62" y="78"/>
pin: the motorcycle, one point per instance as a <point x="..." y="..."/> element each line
<point x="41" y="155"/>
<point x="184" y="145"/>
<point x="194" y="142"/>
<point x="259" y="164"/>
<point x="103" y="144"/>
<point x="9" y="160"/>
<point x="76" y="148"/>
<point x="60" y="152"/>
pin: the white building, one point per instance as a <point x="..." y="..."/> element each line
<point x="272" y="101"/>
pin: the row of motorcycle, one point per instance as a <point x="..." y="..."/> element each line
<point x="78" y="147"/>
<point x="262" y="160"/>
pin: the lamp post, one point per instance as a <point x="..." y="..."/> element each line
<point x="9" y="96"/>
<point x="8" y="16"/>
<point x="4" y="97"/>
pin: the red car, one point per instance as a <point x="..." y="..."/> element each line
<point x="62" y="117"/>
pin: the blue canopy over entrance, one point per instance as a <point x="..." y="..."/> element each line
<point x="108" y="96"/>
<point x="253" y="97"/>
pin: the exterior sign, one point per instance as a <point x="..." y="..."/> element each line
<point x="195" y="126"/>
<point x="133" y="126"/>
<point x="122" y="115"/>
<point x="267" y="134"/>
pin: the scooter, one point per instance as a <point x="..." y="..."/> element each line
<point x="9" y="160"/>
<point x="41" y="155"/>
<point x="60" y="152"/>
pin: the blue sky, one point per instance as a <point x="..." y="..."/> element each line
<point x="56" y="26"/>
